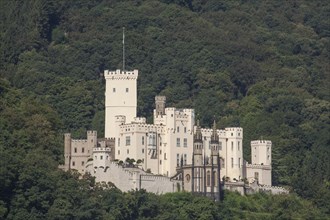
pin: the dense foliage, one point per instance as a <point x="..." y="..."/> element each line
<point x="261" y="65"/>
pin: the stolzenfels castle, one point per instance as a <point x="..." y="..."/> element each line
<point x="174" y="153"/>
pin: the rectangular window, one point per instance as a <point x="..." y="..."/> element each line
<point x="177" y="160"/>
<point x="185" y="144"/>
<point x="238" y="147"/>
<point x="113" y="89"/>
<point x="232" y="162"/>
<point x="178" y="129"/>
<point x="142" y="140"/>
<point x="127" y="151"/>
<point x="160" y="162"/>
<point x="75" y="150"/>
<point x="160" y="152"/>
<point x="185" y="130"/>
<point x="232" y="145"/>
<point x="178" y="142"/>
<point x="101" y="157"/>
<point x="239" y="162"/>
<point x="165" y="156"/>
<point x="82" y="163"/>
<point x="118" y="152"/>
<point x="185" y="159"/>
<point x="118" y="142"/>
<point x="82" y="150"/>
<point x="128" y="140"/>
<point x="143" y="150"/>
<point x="73" y="163"/>
<point x="220" y="145"/>
<point x="126" y="89"/>
<point x="222" y="163"/>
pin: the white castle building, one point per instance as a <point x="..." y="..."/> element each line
<point x="161" y="147"/>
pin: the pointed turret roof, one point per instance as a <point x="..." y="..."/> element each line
<point x="198" y="135"/>
<point x="215" y="136"/>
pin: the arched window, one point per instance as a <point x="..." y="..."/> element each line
<point x="208" y="178"/>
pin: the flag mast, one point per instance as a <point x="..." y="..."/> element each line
<point x="123" y="48"/>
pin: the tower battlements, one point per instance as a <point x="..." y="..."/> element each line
<point x="234" y="132"/>
<point x="118" y="74"/>
<point x="260" y="142"/>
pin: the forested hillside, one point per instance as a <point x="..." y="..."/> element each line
<point x="262" y="65"/>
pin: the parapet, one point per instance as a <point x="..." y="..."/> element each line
<point x="118" y="74"/>
<point x="140" y="120"/>
<point x="160" y="98"/>
<point x="91" y="133"/>
<point x="234" y="132"/>
<point x="261" y="142"/>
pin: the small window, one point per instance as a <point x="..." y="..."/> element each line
<point x="178" y="142"/>
<point x="160" y="151"/>
<point x="232" y="162"/>
<point x="239" y="134"/>
<point x="101" y="157"/>
<point x="82" y="150"/>
<point x="185" y="144"/>
<point x="75" y="150"/>
<point x="128" y="140"/>
<point x="238" y="146"/>
<point x="142" y="140"/>
<point x="118" y="142"/>
<point x="143" y="150"/>
<point x="185" y="130"/>
<point x="113" y="89"/>
<point x="232" y="134"/>
<point x="165" y="156"/>
<point x="185" y="159"/>
<point x="73" y="163"/>
<point x="160" y="162"/>
<point x="178" y="129"/>
<point x="268" y="157"/>
<point x="82" y="163"/>
<point x="239" y="162"/>
<point x="220" y="145"/>
<point x="127" y="151"/>
<point x="118" y="152"/>
<point x="177" y="159"/>
<point x="232" y="146"/>
<point x="126" y="89"/>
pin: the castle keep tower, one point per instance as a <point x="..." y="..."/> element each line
<point x="120" y="98"/>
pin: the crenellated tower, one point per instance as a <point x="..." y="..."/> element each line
<point x="120" y="98"/>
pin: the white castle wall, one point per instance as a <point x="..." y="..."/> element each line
<point x="132" y="178"/>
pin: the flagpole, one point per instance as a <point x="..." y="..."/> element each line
<point x="123" y="48"/>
